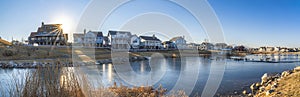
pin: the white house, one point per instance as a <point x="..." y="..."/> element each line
<point x="93" y="39"/>
<point x="78" y="39"/>
<point x="206" y="46"/>
<point x="180" y="42"/>
<point x="135" y="42"/>
<point x="150" y="42"/>
<point x="119" y="39"/>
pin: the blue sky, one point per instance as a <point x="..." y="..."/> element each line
<point x="250" y="22"/>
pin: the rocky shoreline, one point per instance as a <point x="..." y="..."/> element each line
<point x="269" y="84"/>
<point x="62" y="63"/>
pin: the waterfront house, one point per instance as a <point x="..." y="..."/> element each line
<point x="220" y="46"/>
<point x="48" y="34"/>
<point x="194" y="46"/>
<point x="105" y="41"/>
<point x="150" y="42"/>
<point x="180" y="42"/>
<point x="269" y="49"/>
<point x="119" y="39"/>
<point x="240" y="48"/>
<point x="206" y="46"/>
<point x="78" y="39"/>
<point x="93" y="39"/>
<point x="135" y="42"/>
<point x="283" y="49"/>
<point x="169" y="45"/>
<point x="262" y="49"/>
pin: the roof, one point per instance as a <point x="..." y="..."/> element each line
<point x="97" y="33"/>
<point x="78" y="35"/>
<point x="221" y="44"/>
<point x="149" y="38"/>
<point x="175" y="38"/>
<point x="2" y="41"/>
<point x="121" y="32"/>
<point x="167" y="42"/>
<point x="32" y="34"/>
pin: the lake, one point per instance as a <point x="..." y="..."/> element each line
<point x="192" y="74"/>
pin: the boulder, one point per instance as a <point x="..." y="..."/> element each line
<point x="269" y="92"/>
<point x="297" y="69"/>
<point x="264" y="78"/>
<point x="284" y="74"/>
<point x="244" y="92"/>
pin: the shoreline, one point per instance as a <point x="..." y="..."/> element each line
<point x="278" y="85"/>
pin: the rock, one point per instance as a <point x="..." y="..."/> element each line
<point x="264" y="78"/>
<point x="297" y="69"/>
<point x="244" y="92"/>
<point x="249" y="95"/>
<point x="253" y="88"/>
<point x="257" y="84"/>
<point x="261" y="89"/>
<point x="269" y="92"/>
<point x="284" y="74"/>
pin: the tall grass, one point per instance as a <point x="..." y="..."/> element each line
<point x="52" y="82"/>
<point x="58" y="81"/>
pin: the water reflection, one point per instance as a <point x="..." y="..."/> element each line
<point x="110" y="74"/>
<point x="167" y="71"/>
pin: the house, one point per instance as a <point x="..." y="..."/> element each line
<point x="220" y="46"/>
<point x="48" y="34"/>
<point x="262" y="49"/>
<point x="206" y="46"/>
<point x="119" y="39"/>
<point x="194" y="46"/>
<point x="150" y="42"/>
<point x="78" y="39"/>
<point x="93" y="39"/>
<point x="240" y="48"/>
<point x="105" y="41"/>
<point x="135" y="42"/>
<point x="283" y="49"/>
<point x="180" y="42"/>
<point x="269" y="49"/>
<point x="169" y="45"/>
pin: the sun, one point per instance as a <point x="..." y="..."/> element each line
<point x="65" y="21"/>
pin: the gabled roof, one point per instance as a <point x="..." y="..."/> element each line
<point x="78" y="35"/>
<point x="175" y="38"/>
<point x="110" y="32"/>
<point x="33" y="34"/>
<point x="149" y="38"/>
<point x="97" y="33"/>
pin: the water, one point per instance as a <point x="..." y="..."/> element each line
<point x="176" y="73"/>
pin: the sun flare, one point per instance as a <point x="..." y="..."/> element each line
<point x="65" y="21"/>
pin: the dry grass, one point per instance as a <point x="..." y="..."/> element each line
<point x="289" y="86"/>
<point x="52" y="82"/>
<point x="64" y="82"/>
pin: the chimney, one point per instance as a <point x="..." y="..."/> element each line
<point x="153" y="36"/>
<point x="84" y="31"/>
<point x="42" y="23"/>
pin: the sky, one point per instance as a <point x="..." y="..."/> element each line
<point x="252" y="23"/>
